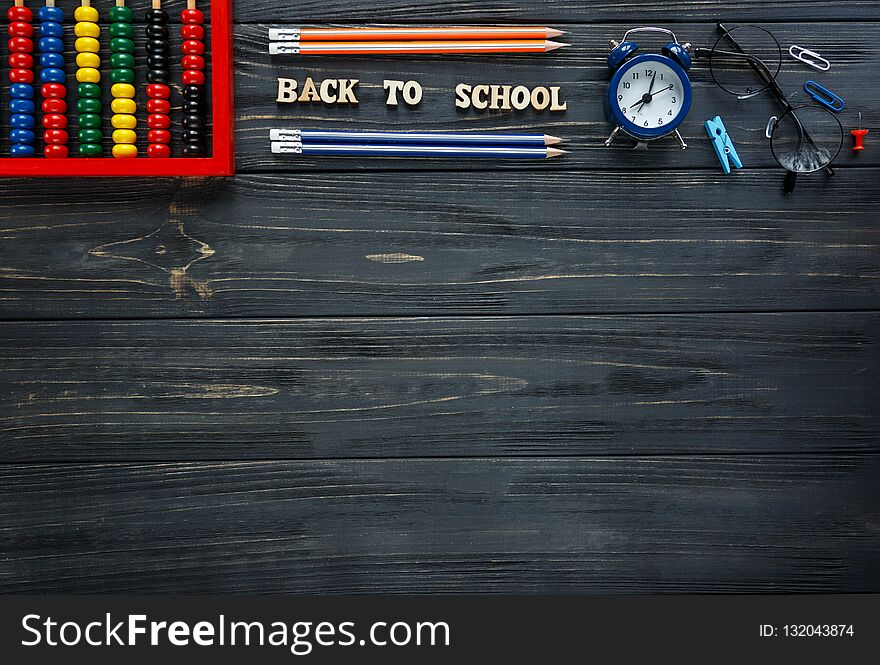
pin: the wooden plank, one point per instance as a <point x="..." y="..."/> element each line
<point x="463" y="243"/>
<point x="529" y="11"/>
<point x="375" y="388"/>
<point x="594" y="525"/>
<point x="582" y="74"/>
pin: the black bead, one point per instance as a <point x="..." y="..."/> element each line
<point x="157" y="32"/>
<point x="193" y="107"/>
<point x="194" y="151"/>
<point x="157" y="76"/>
<point x="193" y="122"/>
<point x="194" y="92"/>
<point x="160" y="46"/>
<point x="193" y="136"/>
<point x="158" y="61"/>
<point x="157" y="16"/>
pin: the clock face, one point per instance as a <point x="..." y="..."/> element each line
<point x="651" y="96"/>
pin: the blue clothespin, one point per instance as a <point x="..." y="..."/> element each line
<point x="722" y="144"/>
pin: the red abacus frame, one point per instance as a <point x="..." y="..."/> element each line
<point x="222" y="159"/>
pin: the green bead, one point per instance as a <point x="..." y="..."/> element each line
<point x="88" y="105"/>
<point x="88" y="90"/>
<point x="90" y="149"/>
<point x="90" y="135"/>
<point x="123" y="14"/>
<point x="121" y="76"/>
<point x="89" y="120"/>
<point x="121" y="45"/>
<point x="121" y="30"/>
<point x="118" y="60"/>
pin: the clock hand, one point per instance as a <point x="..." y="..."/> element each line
<point x="653" y="79"/>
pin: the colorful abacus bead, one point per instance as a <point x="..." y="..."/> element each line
<point x="123" y="120"/>
<point x="52" y="71"/>
<point x="88" y="76"/>
<point x="158" y="77"/>
<point x="194" y="108"/>
<point x="21" y="77"/>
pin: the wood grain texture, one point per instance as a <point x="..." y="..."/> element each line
<point x="744" y="524"/>
<point x="261" y="245"/>
<point x="531" y="11"/>
<point x="377" y="388"/>
<point x="581" y="72"/>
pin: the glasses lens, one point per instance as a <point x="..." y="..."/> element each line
<point x="745" y="60"/>
<point x="806" y="139"/>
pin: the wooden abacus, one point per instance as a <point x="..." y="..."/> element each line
<point x="176" y="141"/>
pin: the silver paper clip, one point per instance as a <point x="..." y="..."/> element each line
<point x="809" y="57"/>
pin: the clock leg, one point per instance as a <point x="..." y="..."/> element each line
<point x="611" y="138"/>
<point x="681" y="140"/>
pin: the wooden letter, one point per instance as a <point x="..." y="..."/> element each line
<point x="391" y="90"/>
<point x="555" y="105"/>
<point x="500" y="97"/>
<point x="520" y="97"/>
<point x="479" y="97"/>
<point x="346" y="91"/>
<point x="309" y="92"/>
<point x="462" y="96"/>
<point x="286" y="90"/>
<point x="326" y="97"/>
<point x="540" y="98"/>
<point x="412" y="93"/>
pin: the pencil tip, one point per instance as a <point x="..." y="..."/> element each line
<point x="555" y="152"/>
<point x="553" y="32"/>
<point x="552" y="46"/>
<point x="551" y="140"/>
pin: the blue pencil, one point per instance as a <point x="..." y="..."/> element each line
<point x="412" y="138"/>
<point x="353" y="150"/>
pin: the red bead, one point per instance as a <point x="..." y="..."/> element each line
<point x="54" y="105"/>
<point x="158" y="106"/>
<point x="56" y="150"/>
<point x="192" y="31"/>
<point x="54" y="90"/>
<point x="55" y="136"/>
<point x="158" y="150"/>
<point x="193" y="77"/>
<point x="158" y="121"/>
<point x="158" y="91"/>
<point x="193" y="62"/>
<point x="23" y="60"/>
<point x="192" y="16"/>
<point x="54" y="121"/>
<point x="21" y="45"/>
<point x="158" y="136"/>
<point x="19" y="14"/>
<point x="193" y="47"/>
<point x="19" y="29"/>
<point x="21" y="75"/>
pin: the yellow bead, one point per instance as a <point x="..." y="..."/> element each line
<point x="89" y="14"/>
<point x="88" y="60"/>
<point x="88" y="75"/>
<point x="87" y="45"/>
<point x="125" y="150"/>
<point x="123" y="106"/>
<point x="124" y="136"/>
<point x="86" y="30"/>
<point x="123" y="121"/>
<point x="124" y="90"/>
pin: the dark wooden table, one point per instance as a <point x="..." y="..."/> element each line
<point x="613" y="372"/>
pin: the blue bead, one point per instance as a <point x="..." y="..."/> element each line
<point x="22" y="136"/>
<point x="55" y="14"/>
<point x="21" y="121"/>
<point x="22" y="90"/>
<point x="21" y="150"/>
<point x="51" y="29"/>
<point x="51" y="44"/>
<point x="52" y="60"/>
<point x="52" y="75"/>
<point x="22" y="106"/>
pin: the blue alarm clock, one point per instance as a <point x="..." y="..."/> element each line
<point x="649" y="95"/>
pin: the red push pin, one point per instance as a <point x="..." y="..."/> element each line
<point x="859" y="135"/>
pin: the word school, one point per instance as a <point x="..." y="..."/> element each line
<point x="479" y="97"/>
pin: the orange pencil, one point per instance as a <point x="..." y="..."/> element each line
<point x="407" y="48"/>
<point x="426" y="34"/>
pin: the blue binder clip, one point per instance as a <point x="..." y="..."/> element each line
<point x="722" y="144"/>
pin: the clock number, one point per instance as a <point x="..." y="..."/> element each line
<point x="626" y="85"/>
<point x="633" y="118"/>
<point x="660" y="121"/>
<point x="673" y="100"/>
<point x="646" y="123"/>
<point x="635" y="75"/>
<point x="620" y="98"/>
<point x="661" y="76"/>
<point x="649" y="72"/>
<point x="669" y="112"/>
<point x="623" y="110"/>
